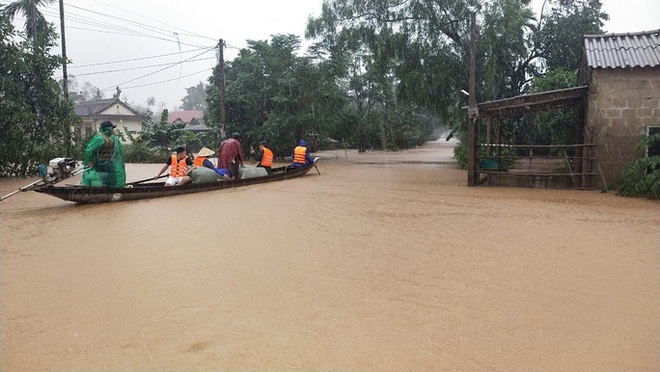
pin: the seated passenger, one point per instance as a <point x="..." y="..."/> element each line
<point x="264" y="156"/>
<point x="301" y="156"/>
<point x="201" y="159"/>
<point x="181" y="165"/>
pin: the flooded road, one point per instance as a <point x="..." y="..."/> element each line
<point x="386" y="262"/>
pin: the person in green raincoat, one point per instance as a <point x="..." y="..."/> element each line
<point x="104" y="159"/>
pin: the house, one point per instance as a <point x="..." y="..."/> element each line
<point x="618" y="104"/>
<point x="184" y="116"/>
<point x="622" y="72"/>
<point x="93" y="113"/>
<point x="194" y="121"/>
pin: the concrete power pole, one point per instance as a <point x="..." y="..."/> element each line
<point x="221" y="85"/>
<point x="473" y="113"/>
<point x="66" y="77"/>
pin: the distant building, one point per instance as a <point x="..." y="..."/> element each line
<point x="623" y="75"/>
<point x="93" y="113"/>
<point x="184" y="116"/>
<point x="194" y="121"/>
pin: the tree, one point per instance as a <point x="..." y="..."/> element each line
<point x="271" y="93"/>
<point x="161" y="137"/>
<point x="195" y="99"/>
<point x="35" y="22"/>
<point x="560" y="35"/>
<point x="36" y="117"/>
<point x="423" y="47"/>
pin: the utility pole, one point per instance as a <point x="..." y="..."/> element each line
<point x="473" y="113"/>
<point x="66" y="77"/>
<point x="65" y="85"/>
<point x="221" y="84"/>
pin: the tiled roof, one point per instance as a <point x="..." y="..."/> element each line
<point x="92" y="108"/>
<point x="196" y="125"/>
<point x="184" y="116"/>
<point x="628" y="50"/>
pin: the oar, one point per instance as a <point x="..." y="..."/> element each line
<point x="145" y="180"/>
<point x="24" y="188"/>
<point x="27" y="187"/>
<point x="317" y="168"/>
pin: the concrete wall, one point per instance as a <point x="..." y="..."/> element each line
<point x="622" y="104"/>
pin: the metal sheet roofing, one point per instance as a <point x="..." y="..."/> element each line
<point x="628" y="50"/>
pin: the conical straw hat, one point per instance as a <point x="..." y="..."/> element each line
<point x="205" y="151"/>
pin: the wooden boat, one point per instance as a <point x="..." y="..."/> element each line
<point x="136" y="191"/>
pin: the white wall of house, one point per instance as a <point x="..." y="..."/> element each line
<point x="118" y="114"/>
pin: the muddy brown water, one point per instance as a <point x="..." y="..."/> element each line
<point x="385" y="262"/>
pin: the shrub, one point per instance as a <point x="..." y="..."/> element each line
<point x="642" y="176"/>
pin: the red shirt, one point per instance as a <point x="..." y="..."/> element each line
<point x="231" y="150"/>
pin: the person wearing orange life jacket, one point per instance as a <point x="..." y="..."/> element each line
<point x="264" y="156"/>
<point x="201" y="160"/>
<point x="181" y="165"/>
<point x="301" y="156"/>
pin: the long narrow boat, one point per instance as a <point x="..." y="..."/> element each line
<point x="89" y="194"/>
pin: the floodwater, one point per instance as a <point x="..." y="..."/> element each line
<point x="384" y="262"/>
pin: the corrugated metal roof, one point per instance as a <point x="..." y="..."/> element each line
<point x="628" y="50"/>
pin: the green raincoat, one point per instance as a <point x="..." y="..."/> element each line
<point x="105" y="151"/>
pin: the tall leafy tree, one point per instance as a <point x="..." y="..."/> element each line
<point x="35" y="22"/>
<point x="271" y="93"/>
<point x="36" y="117"/>
<point x="560" y="35"/>
<point x="195" y="99"/>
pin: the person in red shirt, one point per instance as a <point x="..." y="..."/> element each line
<point x="231" y="155"/>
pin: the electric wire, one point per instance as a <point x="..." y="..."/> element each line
<point x="163" y="81"/>
<point x="142" y="67"/>
<point x="155" y="72"/>
<point x="142" y="58"/>
<point x="153" y="20"/>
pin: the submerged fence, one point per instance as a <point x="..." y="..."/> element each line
<point x="548" y="166"/>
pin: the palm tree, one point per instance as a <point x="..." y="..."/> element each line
<point x="35" y="21"/>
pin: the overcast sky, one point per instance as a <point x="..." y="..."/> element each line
<point x="150" y="35"/>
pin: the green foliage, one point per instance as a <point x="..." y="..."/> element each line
<point x="555" y="126"/>
<point x="36" y="117"/>
<point x="642" y="176"/>
<point x="560" y="37"/>
<point x="195" y="99"/>
<point x="35" y="22"/>
<point x="461" y="156"/>
<point x="161" y="137"/>
<point x="422" y="49"/>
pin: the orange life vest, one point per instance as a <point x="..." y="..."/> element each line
<point x="178" y="166"/>
<point x="267" y="158"/>
<point x="199" y="161"/>
<point x="299" y="155"/>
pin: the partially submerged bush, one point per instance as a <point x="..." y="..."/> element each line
<point x="642" y="176"/>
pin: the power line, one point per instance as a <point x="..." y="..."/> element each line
<point x="163" y="81"/>
<point x="157" y="71"/>
<point x="143" y="67"/>
<point x="153" y="20"/>
<point x="78" y="18"/>
<point x="142" y="58"/>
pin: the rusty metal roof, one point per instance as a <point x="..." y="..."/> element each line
<point x="630" y="50"/>
<point x="529" y="103"/>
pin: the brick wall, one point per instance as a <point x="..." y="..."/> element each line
<point x="622" y="104"/>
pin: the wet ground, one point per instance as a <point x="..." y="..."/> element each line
<point x="384" y="262"/>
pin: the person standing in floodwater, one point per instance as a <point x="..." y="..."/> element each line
<point x="104" y="159"/>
